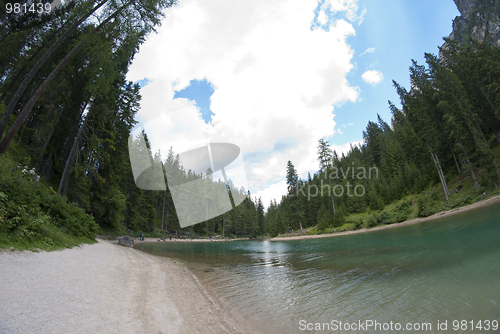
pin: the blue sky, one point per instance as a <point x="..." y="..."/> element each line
<point x="199" y="91"/>
<point x="399" y="31"/>
<point x="274" y="77"/>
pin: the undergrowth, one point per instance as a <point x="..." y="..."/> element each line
<point x="33" y="216"/>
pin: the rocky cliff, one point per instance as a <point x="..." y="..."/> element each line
<point x="479" y="20"/>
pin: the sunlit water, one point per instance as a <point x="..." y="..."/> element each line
<point x="444" y="270"/>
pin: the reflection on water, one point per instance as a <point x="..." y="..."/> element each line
<point x="443" y="270"/>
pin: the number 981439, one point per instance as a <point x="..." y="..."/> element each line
<point x="17" y="8"/>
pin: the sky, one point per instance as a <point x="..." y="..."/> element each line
<point x="273" y="77"/>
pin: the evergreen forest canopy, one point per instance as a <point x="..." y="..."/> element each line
<point x="67" y="110"/>
<point x="446" y="131"/>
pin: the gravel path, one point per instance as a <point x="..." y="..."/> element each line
<point x="103" y="288"/>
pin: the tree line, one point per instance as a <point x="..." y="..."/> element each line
<point x="67" y="109"/>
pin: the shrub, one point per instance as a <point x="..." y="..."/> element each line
<point x="402" y="211"/>
<point x="372" y="221"/>
<point x="424" y="210"/>
<point x="384" y="218"/>
<point x="34" y="216"/>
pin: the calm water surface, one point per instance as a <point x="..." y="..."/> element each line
<point x="444" y="270"/>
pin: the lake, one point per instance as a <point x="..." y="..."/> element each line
<point x="443" y="273"/>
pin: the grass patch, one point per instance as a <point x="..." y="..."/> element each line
<point x="347" y="227"/>
<point x="313" y="231"/>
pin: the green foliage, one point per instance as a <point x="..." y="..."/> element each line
<point x="156" y="233"/>
<point x="445" y="131"/>
<point x="446" y="135"/>
<point x="324" y="218"/>
<point x="347" y="227"/>
<point x="33" y="216"/>
<point x="424" y="208"/>
<point x="313" y="231"/>
<point x="356" y="223"/>
<point x="372" y="221"/>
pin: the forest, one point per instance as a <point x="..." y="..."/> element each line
<point x="440" y="151"/>
<point x="67" y="110"/>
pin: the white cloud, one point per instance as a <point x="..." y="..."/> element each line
<point x="372" y="77"/>
<point x="344" y="148"/>
<point x="322" y="17"/>
<point x="369" y="50"/>
<point x="346" y="125"/>
<point x="350" y="7"/>
<point x="274" y="78"/>
<point x="275" y="191"/>
<point x="361" y="16"/>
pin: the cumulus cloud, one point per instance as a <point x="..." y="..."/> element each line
<point x="273" y="192"/>
<point x="372" y="77"/>
<point x="275" y="79"/>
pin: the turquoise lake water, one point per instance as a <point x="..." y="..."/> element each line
<point x="430" y="274"/>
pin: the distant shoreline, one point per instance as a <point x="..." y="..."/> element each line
<point x="441" y="214"/>
<point x="167" y="239"/>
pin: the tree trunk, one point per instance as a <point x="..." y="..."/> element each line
<point x="491" y="104"/>
<point x="31" y="74"/>
<point x="4" y="144"/>
<point x="72" y="157"/>
<point x="163" y="212"/>
<point x="496" y="135"/>
<point x="490" y="119"/>
<point x="440" y="171"/>
<point x="330" y="182"/>
<point x="442" y="175"/>
<point x="476" y="183"/>
<point x="454" y="158"/>
<point x="166" y="223"/>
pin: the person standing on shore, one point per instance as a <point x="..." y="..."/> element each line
<point x="25" y="173"/>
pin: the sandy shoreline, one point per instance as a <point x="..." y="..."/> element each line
<point x="104" y="288"/>
<point x="441" y="214"/>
